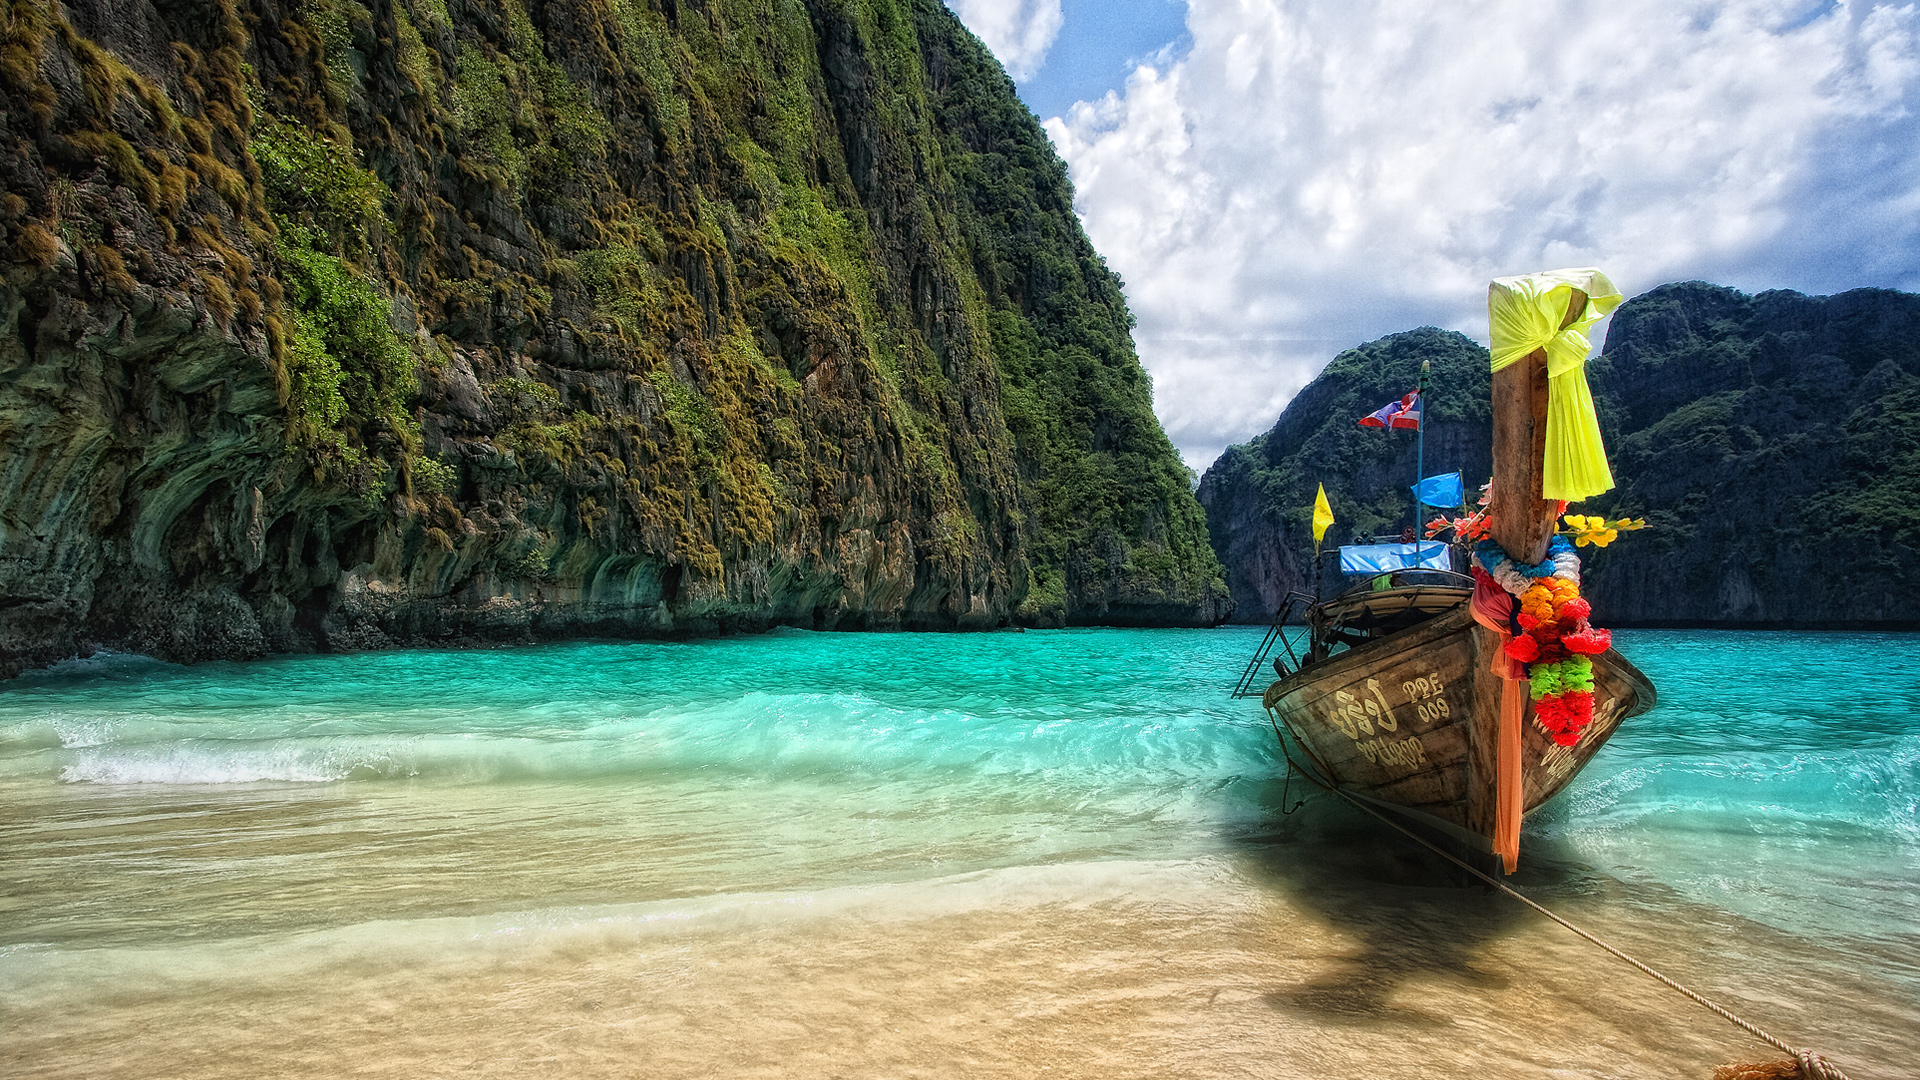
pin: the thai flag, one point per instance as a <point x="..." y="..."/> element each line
<point x="1404" y="413"/>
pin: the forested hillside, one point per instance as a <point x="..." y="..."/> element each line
<point x="1259" y="495"/>
<point x="1770" y="441"/>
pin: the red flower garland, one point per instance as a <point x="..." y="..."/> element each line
<point x="1555" y="641"/>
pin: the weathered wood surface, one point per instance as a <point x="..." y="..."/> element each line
<point x="1523" y="521"/>
<point x="1483" y="780"/>
<point x="1410" y="720"/>
<point x="1388" y="604"/>
<point x="1619" y="691"/>
<point x="1381" y="716"/>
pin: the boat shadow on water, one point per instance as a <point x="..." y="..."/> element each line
<point x="1402" y="913"/>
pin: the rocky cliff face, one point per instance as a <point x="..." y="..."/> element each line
<point x="340" y="325"/>
<point x="1770" y="440"/>
<point x="1259" y="495"/>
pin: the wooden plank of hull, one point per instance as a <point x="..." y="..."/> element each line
<point x="1410" y="720"/>
<point x="1391" y="718"/>
<point x="1522" y="518"/>
<point x="1620" y="691"/>
<point x="1483" y="790"/>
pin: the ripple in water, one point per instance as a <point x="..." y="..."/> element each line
<point x="970" y="855"/>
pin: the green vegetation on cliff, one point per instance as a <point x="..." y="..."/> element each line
<point x="1770" y="440"/>
<point x="1259" y="495"/>
<point x="556" y="317"/>
<point x="1105" y="480"/>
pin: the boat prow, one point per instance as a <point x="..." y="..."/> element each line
<point x="1408" y="719"/>
<point x="1462" y="709"/>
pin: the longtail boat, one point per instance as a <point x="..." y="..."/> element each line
<point x="1412" y="693"/>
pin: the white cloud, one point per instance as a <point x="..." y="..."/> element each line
<point x="1313" y="175"/>
<point x="1018" y="31"/>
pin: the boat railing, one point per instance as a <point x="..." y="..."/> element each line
<point x="1248" y="686"/>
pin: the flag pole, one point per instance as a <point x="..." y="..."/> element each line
<point x="1322" y="521"/>
<point x="1420" y="458"/>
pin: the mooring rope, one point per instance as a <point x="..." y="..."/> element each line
<point x="1288" y="786"/>
<point x="1812" y="1065"/>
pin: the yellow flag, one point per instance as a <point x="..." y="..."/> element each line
<point x="1322" y="517"/>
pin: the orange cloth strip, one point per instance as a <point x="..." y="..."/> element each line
<point x="1506" y="772"/>
<point x="1491" y="606"/>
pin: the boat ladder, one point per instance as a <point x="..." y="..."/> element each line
<point x="1250" y="678"/>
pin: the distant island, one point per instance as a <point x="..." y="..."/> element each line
<point x="1771" y="441"/>
<point x="341" y="327"/>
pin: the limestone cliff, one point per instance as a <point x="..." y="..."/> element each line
<point x="1772" y="441"/>
<point x="339" y="325"/>
<point x="1259" y="495"/>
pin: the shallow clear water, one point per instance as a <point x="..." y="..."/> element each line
<point x="921" y="855"/>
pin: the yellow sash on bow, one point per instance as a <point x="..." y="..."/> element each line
<point x="1524" y="314"/>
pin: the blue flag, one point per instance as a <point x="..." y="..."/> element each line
<point x="1386" y="558"/>
<point x="1442" y="490"/>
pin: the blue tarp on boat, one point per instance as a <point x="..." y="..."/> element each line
<point x="1386" y="558"/>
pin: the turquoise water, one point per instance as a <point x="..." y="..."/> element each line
<point x="988" y="854"/>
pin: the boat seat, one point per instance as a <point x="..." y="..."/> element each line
<point x="1390" y="610"/>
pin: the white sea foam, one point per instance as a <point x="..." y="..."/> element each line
<point x="1876" y="789"/>
<point x="759" y="732"/>
<point x="213" y="762"/>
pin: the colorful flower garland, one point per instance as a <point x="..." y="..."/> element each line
<point x="1554" y="639"/>
<point x="1597" y="530"/>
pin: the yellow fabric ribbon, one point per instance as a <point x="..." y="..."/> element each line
<point x="1524" y="314"/>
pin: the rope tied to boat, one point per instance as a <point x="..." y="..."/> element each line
<point x="1810" y="1065"/>
<point x="1815" y="1067"/>
<point x="1288" y="786"/>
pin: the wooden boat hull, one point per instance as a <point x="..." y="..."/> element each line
<point x="1408" y="720"/>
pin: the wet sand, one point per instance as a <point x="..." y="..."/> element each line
<point x="1250" y="965"/>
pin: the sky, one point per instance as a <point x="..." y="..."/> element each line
<point x="1278" y="180"/>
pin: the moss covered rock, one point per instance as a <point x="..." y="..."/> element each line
<point x="335" y="324"/>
